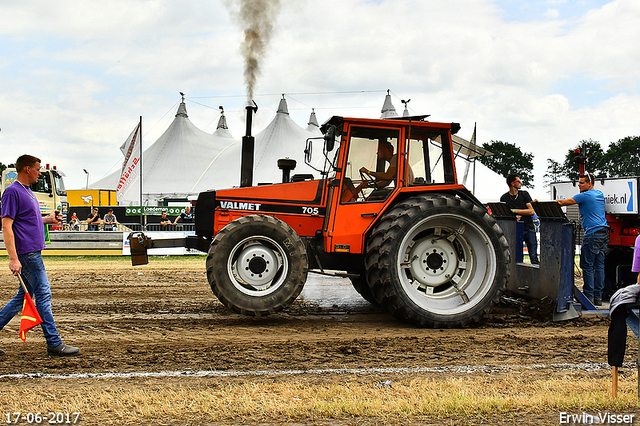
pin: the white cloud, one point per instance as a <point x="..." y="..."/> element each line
<point x="552" y="14"/>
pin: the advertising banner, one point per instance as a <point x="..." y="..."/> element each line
<point x="154" y="210"/>
<point x="130" y="166"/>
<point x="620" y="194"/>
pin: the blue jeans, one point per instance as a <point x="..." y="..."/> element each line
<point x="531" y="240"/>
<point x="594" y="249"/>
<point x="36" y="281"/>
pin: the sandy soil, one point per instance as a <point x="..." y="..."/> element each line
<point x="164" y="317"/>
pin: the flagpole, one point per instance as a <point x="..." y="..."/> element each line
<point x="24" y="287"/>
<point x="141" y="208"/>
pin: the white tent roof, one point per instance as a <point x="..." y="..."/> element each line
<point x="312" y="125"/>
<point x="388" y="110"/>
<point x="185" y="160"/>
<point x="222" y="130"/>
<point x="175" y="162"/>
<point x="282" y="138"/>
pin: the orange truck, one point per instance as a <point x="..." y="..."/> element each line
<point x="385" y="210"/>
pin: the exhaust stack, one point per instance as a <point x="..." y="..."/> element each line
<point x="248" y="143"/>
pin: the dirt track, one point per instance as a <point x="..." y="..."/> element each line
<point x="164" y="317"/>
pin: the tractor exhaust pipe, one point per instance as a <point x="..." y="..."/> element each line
<point x="248" y="143"/>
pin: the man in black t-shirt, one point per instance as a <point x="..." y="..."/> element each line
<point x="186" y="216"/>
<point x="93" y="221"/>
<point x="519" y="202"/>
<point x="164" y="220"/>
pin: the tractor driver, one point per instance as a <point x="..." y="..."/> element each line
<point x="382" y="179"/>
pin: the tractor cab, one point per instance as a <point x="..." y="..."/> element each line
<point x="376" y="156"/>
<point x="375" y="164"/>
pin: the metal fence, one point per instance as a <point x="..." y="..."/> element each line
<point x="124" y="227"/>
<point x="65" y="242"/>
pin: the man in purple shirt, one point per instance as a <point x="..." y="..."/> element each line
<point x="23" y="233"/>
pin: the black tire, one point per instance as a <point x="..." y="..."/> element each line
<point x="363" y="289"/>
<point x="437" y="261"/>
<point x="260" y="243"/>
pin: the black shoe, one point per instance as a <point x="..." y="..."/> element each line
<point x="597" y="302"/>
<point x="63" y="350"/>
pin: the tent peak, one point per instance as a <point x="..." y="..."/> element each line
<point x="282" y="107"/>
<point x="388" y="110"/>
<point x="313" y="121"/>
<point x="182" y="108"/>
<point x="222" y="122"/>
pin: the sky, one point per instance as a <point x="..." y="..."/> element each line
<point x="543" y="75"/>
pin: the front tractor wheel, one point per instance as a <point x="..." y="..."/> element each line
<point x="437" y="261"/>
<point x="257" y="265"/>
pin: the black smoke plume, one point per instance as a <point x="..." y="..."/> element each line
<point x="257" y="19"/>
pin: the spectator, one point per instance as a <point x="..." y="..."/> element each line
<point x="74" y="223"/>
<point x="93" y="221"/>
<point x="109" y="220"/>
<point x="164" y="220"/>
<point x="520" y="204"/>
<point x="185" y="216"/>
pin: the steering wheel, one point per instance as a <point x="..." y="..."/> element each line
<point x="371" y="181"/>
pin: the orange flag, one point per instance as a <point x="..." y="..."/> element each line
<point x="30" y="317"/>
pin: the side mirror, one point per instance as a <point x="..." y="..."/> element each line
<point x="307" y="152"/>
<point x="330" y="138"/>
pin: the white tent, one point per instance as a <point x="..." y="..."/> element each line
<point x="282" y="138"/>
<point x="222" y="130"/>
<point x="223" y="171"/>
<point x="388" y="110"/>
<point x="174" y="163"/>
<point x="312" y="125"/>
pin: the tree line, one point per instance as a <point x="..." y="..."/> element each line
<point x="621" y="159"/>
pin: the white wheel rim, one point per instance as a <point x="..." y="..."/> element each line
<point x="257" y="266"/>
<point x="447" y="264"/>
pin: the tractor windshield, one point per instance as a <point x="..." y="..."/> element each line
<point x="371" y="164"/>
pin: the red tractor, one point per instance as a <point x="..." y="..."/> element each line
<point x="387" y="213"/>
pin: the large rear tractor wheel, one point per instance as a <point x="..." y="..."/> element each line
<point x="257" y="265"/>
<point x="360" y="285"/>
<point x="437" y="261"/>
